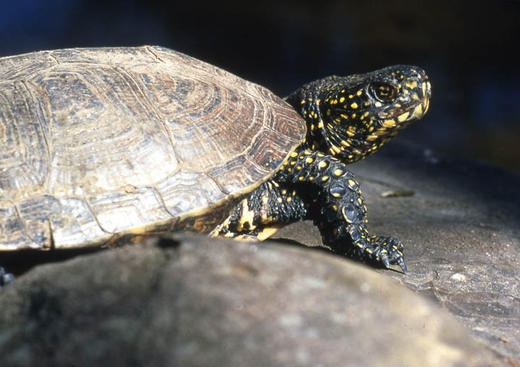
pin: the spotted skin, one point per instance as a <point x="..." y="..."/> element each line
<point x="348" y="118"/>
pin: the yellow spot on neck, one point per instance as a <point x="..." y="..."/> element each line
<point x="336" y="149"/>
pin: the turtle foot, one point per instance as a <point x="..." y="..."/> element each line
<point x="386" y="251"/>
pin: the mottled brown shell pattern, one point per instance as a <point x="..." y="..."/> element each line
<point x="96" y="143"/>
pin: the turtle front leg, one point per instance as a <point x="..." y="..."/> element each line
<point x="262" y="213"/>
<point x="312" y="185"/>
<point x="337" y="207"/>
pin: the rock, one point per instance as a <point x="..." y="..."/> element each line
<point x="195" y="301"/>
<point x="459" y="222"/>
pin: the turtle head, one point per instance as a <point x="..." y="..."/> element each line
<point x="353" y="116"/>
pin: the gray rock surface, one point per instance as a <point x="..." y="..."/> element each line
<point x="460" y="224"/>
<point x="195" y="301"/>
<point x="204" y="302"/>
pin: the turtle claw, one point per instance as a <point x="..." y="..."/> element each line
<point x="402" y="264"/>
<point x="384" y="260"/>
<point x="386" y="251"/>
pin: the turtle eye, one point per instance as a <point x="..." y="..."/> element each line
<point x="383" y="92"/>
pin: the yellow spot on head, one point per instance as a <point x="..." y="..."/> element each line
<point x="338" y="172"/>
<point x="372" y="137"/>
<point x="294" y="154"/>
<point x="279" y="200"/>
<point x="320" y="125"/>
<point x="359" y="92"/>
<point x="389" y="123"/>
<point x="418" y="112"/>
<point x="403" y="117"/>
<point x="342" y="99"/>
<point x="325" y="178"/>
<point x="354" y="105"/>
<point x="322" y="164"/>
<point x="412" y="85"/>
<point x="309" y="160"/>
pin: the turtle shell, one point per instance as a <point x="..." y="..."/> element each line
<point x="101" y="142"/>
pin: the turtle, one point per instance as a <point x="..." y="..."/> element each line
<point x="100" y="144"/>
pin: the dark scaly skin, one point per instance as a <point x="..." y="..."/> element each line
<point x="348" y="118"/>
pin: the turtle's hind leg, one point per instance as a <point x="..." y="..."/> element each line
<point x="262" y="213"/>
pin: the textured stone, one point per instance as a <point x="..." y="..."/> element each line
<point x="195" y="301"/>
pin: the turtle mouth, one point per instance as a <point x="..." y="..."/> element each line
<point x="413" y="112"/>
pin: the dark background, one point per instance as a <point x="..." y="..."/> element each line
<point x="469" y="49"/>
